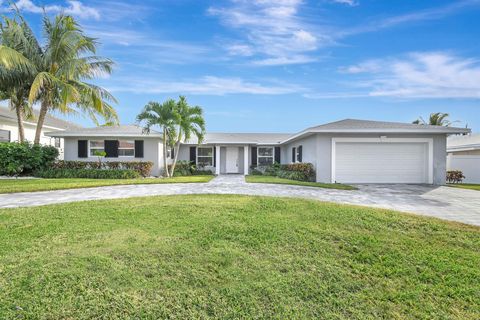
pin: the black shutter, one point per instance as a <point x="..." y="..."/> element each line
<point x="300" y="154"/>
<point x="214" y="156"/>
<point x="277" y="154"/>
<point x="193" y="154"/>
<point x="138" y="148"/>
<point x="294" y="154"/>
<point x="83" y="148"/>
<point x="111" y="148"/>
<point x="172" y="153"/>
<point x="254" y="156"/>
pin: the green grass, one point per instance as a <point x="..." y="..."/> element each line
<point x="29" y="185"/>
<point x="466" y="186"/>
<point x="224" y="256"/>
<point x="277" y="180"/>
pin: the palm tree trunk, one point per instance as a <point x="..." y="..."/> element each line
<point x="41" y="120"/>
<point x="21" y="130"/>
<point x="177" y="148"/>
<point x="165" y="163"/>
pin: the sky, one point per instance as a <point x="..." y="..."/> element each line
<point x="284" y="65"/>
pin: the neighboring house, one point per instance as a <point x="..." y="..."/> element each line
<point x="346" y="151"/>
<point x="9" y="128"/>
<point x="464" y="154"/>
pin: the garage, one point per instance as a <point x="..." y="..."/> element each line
<point x="381" y="161"/>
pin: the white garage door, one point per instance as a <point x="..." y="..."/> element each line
<point x="357" y="162"/>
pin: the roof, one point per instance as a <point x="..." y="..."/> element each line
<point x="463" y="143"/>
<point x="242" y="138"/>
<point x="368" y="126"/>
<point x="50" y="121"/>
<point x="105" y="131"/>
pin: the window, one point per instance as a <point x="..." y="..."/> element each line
<point x="4" y="136"/>
<point x="265" y="156"/>
<point x="126" y="148"/>
<point x="205" y="156"/>
<point x="96" y="146"/>
<point x="57" y="143"/>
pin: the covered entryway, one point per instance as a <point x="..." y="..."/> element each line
<point x="232" y="159"/>
<point x="382" y="160"/>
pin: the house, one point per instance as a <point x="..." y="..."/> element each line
<point x="346" y="151"/>
<point x="464" y="155"/>
<point x="9" y="128"/>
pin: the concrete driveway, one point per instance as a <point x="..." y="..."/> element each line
<point x="441" y="202"/>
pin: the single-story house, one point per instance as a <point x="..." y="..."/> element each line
<point x="464" y="155"/>
<point x="346" y="151"/>
<point x="9" y="128"/>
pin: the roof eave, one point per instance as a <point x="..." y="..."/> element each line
<point x="74" y="135"/>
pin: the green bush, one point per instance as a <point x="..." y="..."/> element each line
<point x="143" y="168"/>
<point x="455" y="176"/>
<point x="24" y="158"/>
<point x="294" y="171"/>
<point x="183" y="168"/>
<point x="88" y="173"/>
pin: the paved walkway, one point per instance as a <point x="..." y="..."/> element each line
<point x="441" y="202"/>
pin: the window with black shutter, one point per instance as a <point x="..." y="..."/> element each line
<point x="294" y="154"/>
<point x="138" y="148"/>
<point x="254" y="156"/>
<point x="277" y="155"/>
<point x="111" y="148"/>
<point x="82" y="148"/>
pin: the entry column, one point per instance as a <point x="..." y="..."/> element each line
<point x="217" y="160"/>
<point x="245" y="160"/>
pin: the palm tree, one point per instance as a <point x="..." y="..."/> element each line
<point x="59" y="71"/>
<point x="435" y="119"/>
<point x="16" y="82"/>
<point x="163" y="116"/>
<point x="190" y="122"/>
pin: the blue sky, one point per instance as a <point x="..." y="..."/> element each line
<point x="283" y="65"/>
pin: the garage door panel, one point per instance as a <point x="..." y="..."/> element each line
<point x="381" y="162"/>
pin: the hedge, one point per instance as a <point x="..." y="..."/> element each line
<point x="143" y="168"/>
<point x="186" y="168"/>
<point x="295" y="171"/>
<point x="88" y="173"/>
<point x="25" y="158"/>
<point x="455" y="176"/>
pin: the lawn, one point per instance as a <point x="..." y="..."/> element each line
<point x="277" y="180"/>
<point x="224" y="256"/>
<point x="466" y="186"/>
<point x="29" y="185"/>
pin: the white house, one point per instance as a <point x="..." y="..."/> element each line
<point x="464" y="154"/>
<point x="9" y="129"/>
<point x="346" y="151"/>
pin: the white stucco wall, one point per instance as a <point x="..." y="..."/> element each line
<point x="152" y="151"/>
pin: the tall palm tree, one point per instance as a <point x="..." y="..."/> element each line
<point x="61" y="69"/>
<point x="435" y="119"/>
<point x="163" y="116"/>
<point x="190" y="122"/>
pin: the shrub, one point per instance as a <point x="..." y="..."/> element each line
<point x="143" y="168"/>
<point x="202" y="173"/>
<point x="183" y="168"/>
<point x="88" y="173"/>
<point x="24" y="158"/>
<point x="294" y="171"/>
<point x="455" y="176"/>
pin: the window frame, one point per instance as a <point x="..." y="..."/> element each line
<point x="9" y="135"/>
<point x="212" y="156"/>
<point x="133" y="148"/>
<point x="259" y="156"/>
<point x="94" y="148"/>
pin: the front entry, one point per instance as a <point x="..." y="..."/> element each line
<point x="232" y="160"/>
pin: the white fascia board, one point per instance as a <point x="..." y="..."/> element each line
<point x="66" y="135"/>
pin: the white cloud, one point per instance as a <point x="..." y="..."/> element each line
<point x="351" y="3"/>
<point x="272" y="32"/>
<point x="208" y="85"/>
<point x="75" y="8"/>
<point x="421" y="75"/>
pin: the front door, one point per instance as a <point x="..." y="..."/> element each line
<point x="232" y="160"/>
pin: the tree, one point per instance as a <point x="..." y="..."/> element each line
<point x="60" y="70"/>
<point x="435" y="119"/>
<point x="163" y="116"/>
<point x="190" y="122"/>
<point x="16" y="81"/>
